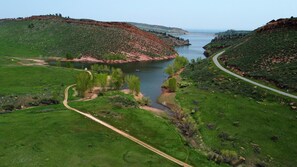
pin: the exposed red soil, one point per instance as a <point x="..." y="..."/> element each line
<point x="280" y="23"/>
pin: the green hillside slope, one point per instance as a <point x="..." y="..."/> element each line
<point x="269" y="54"/>
<point x="58" y="36"/>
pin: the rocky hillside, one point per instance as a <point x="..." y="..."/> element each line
<point x="79" y="39"/>
<point x="269" y="54"/>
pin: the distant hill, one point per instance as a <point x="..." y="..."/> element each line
<point x="269" y="53"/>
<point x="160" y="29"/>
<point x="224" y="40"/>
<point x="78" y="38"/>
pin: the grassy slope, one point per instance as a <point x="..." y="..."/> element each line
<point x="52" y="36"/>
<point x="255" y="57"/>
<point x="56" y="38"/>
<point x="21" y="85"/>
<point x="53" y="136"/>
<point x="223" y="100"/>
<point x="35" y="139"/>
<point x="146" y="126"/>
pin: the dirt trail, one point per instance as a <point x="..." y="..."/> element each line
<point x="147" y="146"/>
<point x="217" y="63"/>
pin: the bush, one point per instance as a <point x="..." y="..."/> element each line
<point x="8" y="107"/>
<point x="229" y="155"/>
<point x="69" y="56"/>
<point x="123" y="102"/>
<point x="145" y="101"/>
<point x="49" y="101"/>
<point x="172" y="84"/>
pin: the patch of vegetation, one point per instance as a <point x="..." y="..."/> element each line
<point x="24" y="86"/>
<point x="112" y="56"/>
<point x="269" y="56"/>
<point x="78" y="142"/>
<point x="133" y="83"/>
<point x="178" y="64"/>
<point x="234" y="115"/>
<point x="224" y="40"/>
<point x="143" y="125"/>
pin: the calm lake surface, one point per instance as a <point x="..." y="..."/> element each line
<point x="152" y="74"/>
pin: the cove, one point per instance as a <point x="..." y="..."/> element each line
<point x="152" y="73"/>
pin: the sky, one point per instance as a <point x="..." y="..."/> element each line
<point x="187" y="14"/>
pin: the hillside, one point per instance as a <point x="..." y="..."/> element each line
<point x="224" y="40"/>
<point x="171" y="40"/>
<point x="268" y="54"/>
<point x="49" y="36"/>
<point x="160" y="29"/>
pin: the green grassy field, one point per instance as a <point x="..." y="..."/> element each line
<point x="234" y="115"/>
<point x="46" y="135"/>
<point x="146" y="126"/>
<point x="28" y="85"/>
<point x="53" y="136"/>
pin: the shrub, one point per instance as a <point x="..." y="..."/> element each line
<point x="49" y="101"/>
<point x="8" y="107"/>
<point x="123" y="102"/>
<point x="172" y="84"/>
<point x="145" y="101"/>
<point x="229" y="155"/>
<point x="69" y="56"/>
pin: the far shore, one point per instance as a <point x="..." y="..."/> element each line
<point x="140" y="58"/>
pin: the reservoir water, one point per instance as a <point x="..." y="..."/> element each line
<point x="152" y="74"/>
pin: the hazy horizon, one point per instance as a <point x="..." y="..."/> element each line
<point x="189" y="14"/>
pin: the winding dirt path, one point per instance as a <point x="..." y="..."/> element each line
<point x="143" y="144"/>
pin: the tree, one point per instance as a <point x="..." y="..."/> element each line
<point x="101" y="80"/>
<point x="69" y="56"/>
<point x="180" y="62"/>
<point x="83" y="83"/>
<point x="95" y="68"/>
<point x="117" y="78"/>
<point x="58" y="63"/>
<point x="172" y="84"/>
<point x="133" y="83"/>
<point x="170" y="70"/>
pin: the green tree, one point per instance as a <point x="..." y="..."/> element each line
<point x="172" y="84"/>
<point x="58" y="63"/>
<point x="180" y="62"/>
<point x="117" y="78"/>
<point x="101" y="80"/>
<point x="83" y="83"/>
<point x="95" y="68"/>
<point x="170" y="70"/>
<point x="69" y="56"/>
<point x="133" y="83"/>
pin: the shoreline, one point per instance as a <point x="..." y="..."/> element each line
<point x="130" y="59"/>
